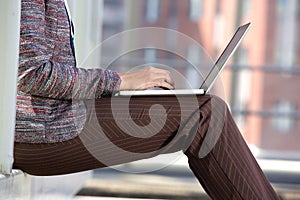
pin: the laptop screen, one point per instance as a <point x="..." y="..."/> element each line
<point x="222" y="60"/>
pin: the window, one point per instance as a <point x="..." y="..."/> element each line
<point x="286" y="40"/>
<point x="150" y="55"/>
<point x="246" y="7"/>
<point x="242" y="88"/>
<point x="192" y="75"/>
<point x="283" y="120"/>
<point x="195" y="9"/>
<point x="152" y="10"/>
<point x="219" y="32"/>
<point x="193" y="53"/>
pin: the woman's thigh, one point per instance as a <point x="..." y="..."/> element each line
<point x="117" y="130"/>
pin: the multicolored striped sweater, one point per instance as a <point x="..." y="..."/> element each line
<point x="51" y="89"/>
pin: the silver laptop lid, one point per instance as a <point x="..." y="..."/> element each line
<point x="222" y="60"/>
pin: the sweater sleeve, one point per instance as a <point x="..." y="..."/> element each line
<point x="46" y="73"/>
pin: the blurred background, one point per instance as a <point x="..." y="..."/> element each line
<point x="261" y="80"/>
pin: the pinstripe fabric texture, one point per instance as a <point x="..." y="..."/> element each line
<point x="50" y="86"/>
<point x="229" y="171"/>
<point x="64" y="126"/>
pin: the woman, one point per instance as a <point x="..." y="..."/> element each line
<point x="67" y="121"/>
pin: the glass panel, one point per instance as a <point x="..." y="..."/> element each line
<point x="286" y="43"/>
<point x="195" y="9"/>
<point x="283" y="119"/>
<point x="152" y="11"/>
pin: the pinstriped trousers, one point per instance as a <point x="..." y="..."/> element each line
<point x="121" y="130"/>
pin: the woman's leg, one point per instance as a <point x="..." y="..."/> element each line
<point x="228" y="170"/>
<point x="109" y="137"/>
<point x="123" y="131"/>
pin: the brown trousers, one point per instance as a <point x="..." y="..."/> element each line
<point x="120" y="130"/>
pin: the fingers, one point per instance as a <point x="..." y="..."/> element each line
<point x="145" y="79"/>
<point x="165" y="85"/>
<point x="161" y="78"/>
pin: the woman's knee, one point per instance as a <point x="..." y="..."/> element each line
<point x="213" y="113"/>
<point x="212" y="105"/>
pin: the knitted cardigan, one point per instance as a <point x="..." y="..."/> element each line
<point x="51" y="89"/>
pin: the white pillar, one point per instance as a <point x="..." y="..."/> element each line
<point x="9" y="54"/>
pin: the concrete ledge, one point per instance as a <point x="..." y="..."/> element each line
<point x="20" y="186"/>
<point x="57" y="187"/>
<point x="14" y="174"/>
<point x="144" y="187"/>
<point x="15" y="186"/>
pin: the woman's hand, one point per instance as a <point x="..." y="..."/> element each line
<point x="146" y="78"/>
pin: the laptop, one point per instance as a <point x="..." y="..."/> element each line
<point x="209" y="79"/>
